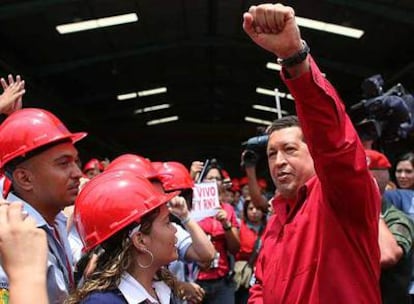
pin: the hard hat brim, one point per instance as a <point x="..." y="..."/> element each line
<point x="75" y="137"/>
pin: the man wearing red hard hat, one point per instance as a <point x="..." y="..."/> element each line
<point x="38" y="156"/>
<point x="92" y="168"/>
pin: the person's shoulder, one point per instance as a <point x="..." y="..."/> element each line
<point x="104" y="297"/>
<point x="399" y="194"/>
<point x="392" y="194"/>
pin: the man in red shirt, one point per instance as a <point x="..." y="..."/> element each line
<point x="322" y="244"/>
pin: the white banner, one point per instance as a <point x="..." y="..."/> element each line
<point x="205" y="200"/>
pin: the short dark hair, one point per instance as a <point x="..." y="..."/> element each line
<point x="282" y="123"/>
<point x="407" y="157"/>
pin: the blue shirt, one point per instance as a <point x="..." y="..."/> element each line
<point x="58" y="276"/>
<point x="403" y="199"/>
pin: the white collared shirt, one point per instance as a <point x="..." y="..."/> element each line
<point x="135" y="293"/>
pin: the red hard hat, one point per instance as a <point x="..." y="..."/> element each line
<point x="262" y="183"/>
<point x="28" y="129"/>
<point x="174" y="176"/>
<point x="92" y="164"/>
<point x="243" y="181"/>
<point x="235" y="185"/>
<point x="135" y="163"/>
<point x="157" y="165"/>
<point x="225" y="174"/>
<point x="110" y="202"/>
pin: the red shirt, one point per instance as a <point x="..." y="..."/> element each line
<point x="326" y="249"/>
<point x="248" y="237"/>
<point x="214" y="229"/>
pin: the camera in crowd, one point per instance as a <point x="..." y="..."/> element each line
<point x="254" y="147"/>
<point x="257" y="143"/>
<point x="385" y="116"/>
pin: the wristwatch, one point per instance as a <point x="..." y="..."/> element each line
<point x="296" y="58"/>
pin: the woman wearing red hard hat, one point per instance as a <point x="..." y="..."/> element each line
<point x="125" y="219"/>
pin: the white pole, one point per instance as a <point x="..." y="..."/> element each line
<point x="278" y="108"/>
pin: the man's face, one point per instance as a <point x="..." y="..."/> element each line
<point x="55" y="175"/>
<point x="229" y="197"/>
<point x="245" y="191"/>
<point x="290" y="162"/>
<point x="91" y="173"/>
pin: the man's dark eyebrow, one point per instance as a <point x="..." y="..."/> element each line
<point x="65" y="156"/>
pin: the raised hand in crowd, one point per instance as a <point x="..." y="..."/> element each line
<point x="201" y="249"/>
<point x="249" y="159"/>
<point x="11" y="99"/>
<point x="178" y="207"/>
<point x="23" y="250"/>
<point x="273" y="27"/>
<point x="191" y="292"/>
<point x="196" y="168"/>
<point x="221" y="216"/>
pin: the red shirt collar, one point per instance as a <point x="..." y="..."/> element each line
<point x="294" y="203"/>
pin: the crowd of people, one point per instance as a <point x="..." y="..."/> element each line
<point x="335" y="230"/>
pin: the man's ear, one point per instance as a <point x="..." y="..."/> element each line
<point x="23" y="179"/>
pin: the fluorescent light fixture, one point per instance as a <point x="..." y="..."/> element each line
<point x="267" y="109"/>
<point x="162" y="120"/>
<point x="265" y="91"/>
<point x="127" y="96"/>
<point x="153" y="108"/>
<point x="96" y="23"/>
<point x="329" y="27"/>
<point x="272" y="93"/>
<point x="258" y="121"/>
<point x="142" y="93"/>
<point x="152" y="92"/>
<point x="274" y="66"/>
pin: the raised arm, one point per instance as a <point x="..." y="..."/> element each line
<point x="11" y="99"/>
<point x="338" y="155"/>
<point x="201" y="249"/>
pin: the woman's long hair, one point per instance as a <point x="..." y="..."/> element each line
<point x="116" y="258"/>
